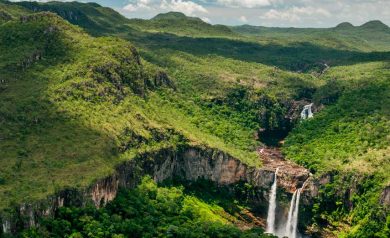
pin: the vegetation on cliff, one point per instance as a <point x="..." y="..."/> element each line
<point x="73" y="106"/>
<point x="149" y="211"/>
<point x="349" y="140"/>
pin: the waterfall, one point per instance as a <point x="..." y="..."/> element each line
<point x="306" y="112"/>
<point x="292" y="219"/>
<point x="290" y="215"/>
<point x="294" y="222"/>
<point x="6" y="227"/>
<point x="272" y="206"/>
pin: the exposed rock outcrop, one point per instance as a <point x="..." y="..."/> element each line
<point x="385" y="197"/>
<point x="5" y="16"/>
<point x="291" y="176"/>
<point x="187" y="163"/>
<point x="161" y="79"/>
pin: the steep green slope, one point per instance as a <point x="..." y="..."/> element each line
<point x="58" y="93"/>
<point x="9" y="12"/>
<point x="90" y="15"/>
<point x="349" y="140"/>
<point x="73" y="107"/>
<point x="358" y="121"/>
<point x="101" y="20"/>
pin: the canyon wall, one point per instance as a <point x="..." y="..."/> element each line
<point x="186" y="163"/>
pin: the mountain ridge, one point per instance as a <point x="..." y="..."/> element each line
<point x="76" y="108"/>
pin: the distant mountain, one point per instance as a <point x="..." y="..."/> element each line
<point x="83" y="116"/>
<point x="344" y="26"/>
<point x="250" y="29"/>
<point x="375" y="26"/>
<point x="344" y="35"/>
<point x="178" y="23"/>
<point x="173" y="16"/>
<point x="99" y="20"/>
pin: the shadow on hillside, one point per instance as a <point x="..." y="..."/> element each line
<point x="42" y="147"/>
<point x="297" y="57"/>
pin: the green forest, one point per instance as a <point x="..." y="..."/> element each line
<point x="85" y="91"/>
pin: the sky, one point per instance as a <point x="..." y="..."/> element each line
<point x="282" y="13"/>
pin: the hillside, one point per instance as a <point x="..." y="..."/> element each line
<point x="53" y="83"/>
<point x="74" y="107"/>
<point x="349" y="139"/>
<point x="371" y="36"/>
<point x="101" y="20"/>
<point x="63" y="89"/>
<point x="303" y="52"/>
<point x="90" y="102"/>
<point x="180" y="24"/>
<point x="91" y="15"/>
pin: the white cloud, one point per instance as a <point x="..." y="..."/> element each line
<point x="186" y="7"/>
<point x="243" y="19"/>
<point x="245" y="3"/>
<point x="298" y="13"/>
<point x="206" y="19"/>
<point x="295" y="14"/>
<point x="140" y="4"/>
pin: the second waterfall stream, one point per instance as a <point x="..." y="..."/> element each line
<point x="292" y="219"/>
<point x="291" y="225"/>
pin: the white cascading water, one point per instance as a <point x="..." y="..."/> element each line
<point x="307" y="112"/>
<point x="272" y="206"/>
<point x="294" y="222"/>
<point x="290" y="215"/>
<point x="6" y="227"/>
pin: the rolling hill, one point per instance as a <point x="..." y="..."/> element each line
<point x="84" y="91"/>
<point x="371" y="36"/>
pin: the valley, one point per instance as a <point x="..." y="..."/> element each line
<point x="173" y="127"/>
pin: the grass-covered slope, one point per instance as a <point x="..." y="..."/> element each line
<point x="349" y="140"/>
<point x="90" y="15"/>
<point x="101" y="20"/>
<point x="74" y="106"/>
<point x="9" y="12"/>
<point x="306" y="52"/>
<point x="59" y="88"/>
<point x="341" y="133"/>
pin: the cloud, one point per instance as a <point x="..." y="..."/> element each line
<point x="245" y="3"/>
<point x="298" y="13"/>
<point x="294" y="14"/>
<point x="206" y="19"/>
<point x="243" y="19"/>
<point x="139" y="4"/>
<point x="186" y="7"/>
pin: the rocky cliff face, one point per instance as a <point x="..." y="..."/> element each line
<point x="385" y="197"/>
<point x="188" y="163"/>
<point x="191" y="163"/>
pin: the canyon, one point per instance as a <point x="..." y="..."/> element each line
<point x="187" y="163"/>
